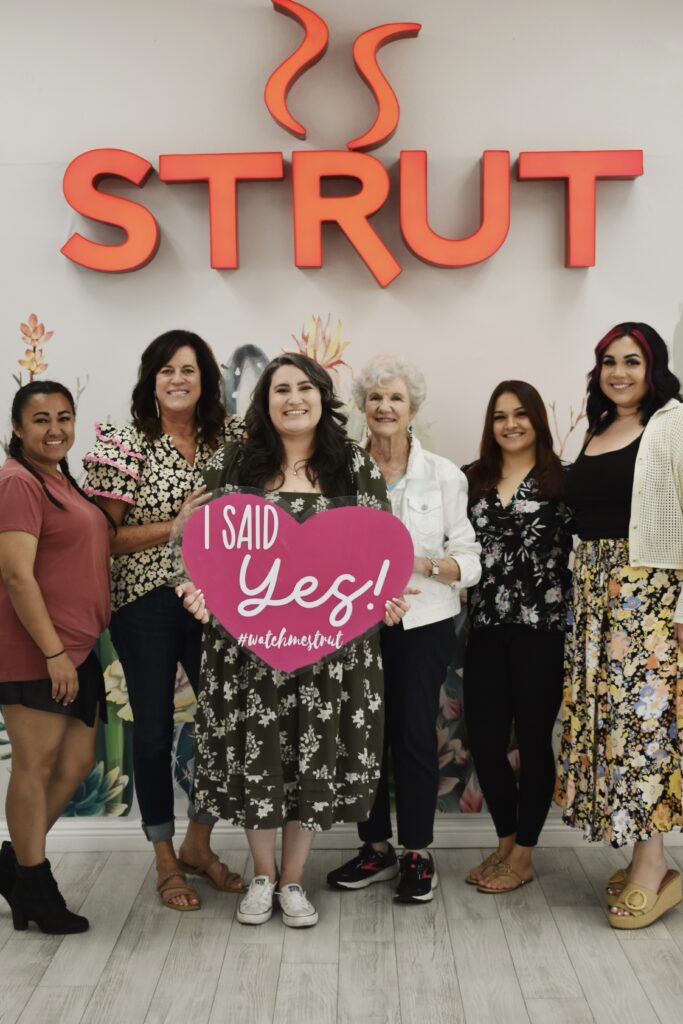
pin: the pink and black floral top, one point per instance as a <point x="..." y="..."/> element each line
<point x="153" y="479"/>
<point x="525" y="577"/>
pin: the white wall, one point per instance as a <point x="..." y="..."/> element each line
<point x="165" y="76"/>
<point x="172" y="76"/>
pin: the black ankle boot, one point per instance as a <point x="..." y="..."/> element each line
<point x="8" y="869"/>
<point x="36" y="897"/>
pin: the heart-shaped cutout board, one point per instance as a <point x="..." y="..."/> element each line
<point x="295" y="593"/>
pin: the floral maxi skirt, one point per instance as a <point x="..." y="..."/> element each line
<point x="619" y="773"/>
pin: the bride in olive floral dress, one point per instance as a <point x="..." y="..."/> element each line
<point x="274" y="749"/>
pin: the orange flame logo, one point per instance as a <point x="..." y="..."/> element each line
<point x="311" y="50"/>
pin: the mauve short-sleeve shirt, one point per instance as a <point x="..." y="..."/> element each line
<point x="71" y="569"/>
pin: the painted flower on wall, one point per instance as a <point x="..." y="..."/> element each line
<point x="184" y="700"/>
<point x="563" y="436"/>
<point x="97" y="795"/>
<point x="471" y="801"/>
<point x="34" y="335"/>
<point x="117" y="691"/>
<point x="458" y="789"/>
<point x="319" y="343"/>
<point x="183" y="756"/>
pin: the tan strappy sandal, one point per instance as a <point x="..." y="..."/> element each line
<point x="503" y="870"/>
<point x="224" y="880"/>
<point x="645" y="906"/>
<point x="169" y="889"/>
<point x="488" y="862"/>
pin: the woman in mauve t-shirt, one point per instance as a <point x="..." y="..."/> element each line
<point x="54" y="603"/>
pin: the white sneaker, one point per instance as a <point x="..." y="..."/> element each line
<point x="297" y="911"/>
<point x="256" y="907"/>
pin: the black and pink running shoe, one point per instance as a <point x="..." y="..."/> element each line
<point x="367" y="867"/>
<point x="418" y="879"/>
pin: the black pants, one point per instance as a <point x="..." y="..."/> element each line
<point x="415" y="663"/>
<point x="151" y="635"/>
<point x="513" y="674"/>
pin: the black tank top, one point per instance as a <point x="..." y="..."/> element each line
<point x="598" y="491"/>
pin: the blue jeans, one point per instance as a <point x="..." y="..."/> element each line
<point x="151" y="635"/>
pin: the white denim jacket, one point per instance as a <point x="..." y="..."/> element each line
<point x="431" y="501"/>
<point x="656" y="526"/>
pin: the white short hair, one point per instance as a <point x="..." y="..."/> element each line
<point x="384" y="368"/>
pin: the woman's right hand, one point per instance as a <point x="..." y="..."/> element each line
<point x="192" y="501"/>
<point x="64" y="679"/>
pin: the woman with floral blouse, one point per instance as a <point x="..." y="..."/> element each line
<point x="513" y="664"/>
<point x="146" y="475"/>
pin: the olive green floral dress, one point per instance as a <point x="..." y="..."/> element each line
<point x="274" y="746"/>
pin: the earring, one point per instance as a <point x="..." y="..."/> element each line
<point x="156" y="406"/>
<point x="410" y="428"/>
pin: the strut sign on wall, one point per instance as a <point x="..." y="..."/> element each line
<point x="580" y="170"/>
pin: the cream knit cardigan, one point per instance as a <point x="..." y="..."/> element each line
<point x="656" y="527"/>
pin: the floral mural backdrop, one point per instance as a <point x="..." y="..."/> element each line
<point x="108" y="790"/>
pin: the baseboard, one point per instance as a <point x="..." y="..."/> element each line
<point x="450" y="832"/>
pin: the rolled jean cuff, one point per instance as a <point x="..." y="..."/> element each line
<point x="159" y="833"/>
<point x="201" y="817"/>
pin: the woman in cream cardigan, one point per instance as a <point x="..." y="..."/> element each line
<point x="622" y="743"/>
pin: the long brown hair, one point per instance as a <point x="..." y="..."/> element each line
<point x="486" y="472"/>
<point x="210" y="413"/>
<point x="263" y="454"/>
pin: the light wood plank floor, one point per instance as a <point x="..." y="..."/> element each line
<point x="542" y="955"/>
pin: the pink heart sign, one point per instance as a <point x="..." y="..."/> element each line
<point x="292" y="592"/>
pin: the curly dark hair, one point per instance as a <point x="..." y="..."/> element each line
<point x="486" y="472"/>
<point x="210" y="412"/>
<point x="16" y="450"/>
<point x="263" y="454"/>
<point x="661" y="382"/>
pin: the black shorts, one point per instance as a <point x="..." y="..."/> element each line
<point x="37" y="694"/>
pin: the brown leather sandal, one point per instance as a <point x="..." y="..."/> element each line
<point x="224" y="880"/>
<point x="503" y="870"/>
<point x="488" y="862"/>
<point x="168" y="890"/>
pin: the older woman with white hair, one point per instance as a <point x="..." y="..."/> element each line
<point x="429" y="495"/>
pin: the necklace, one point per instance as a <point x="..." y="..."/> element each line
<point x="300" y="463"/>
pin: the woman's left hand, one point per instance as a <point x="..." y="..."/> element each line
<point x="397" y="607"/>
<point x="193" y="601"/>
<point x="678" y="634"/>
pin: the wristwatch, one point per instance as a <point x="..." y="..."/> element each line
<point x="435" y="567"/>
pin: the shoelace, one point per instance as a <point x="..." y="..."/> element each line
<point x="295" y="898"/>
<point x="256" y="895"/>
<point x="421" y="865"/>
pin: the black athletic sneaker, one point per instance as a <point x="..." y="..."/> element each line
<point x="368" y="867"/>
<point x="418" y="879"/>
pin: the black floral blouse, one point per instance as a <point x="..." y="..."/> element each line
<point x="153" y="479"/>
<point x="525" y="576"/>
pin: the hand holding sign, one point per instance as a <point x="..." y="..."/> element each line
<point x="291" y="592"/>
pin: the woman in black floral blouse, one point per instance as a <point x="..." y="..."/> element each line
<point x="513" y="665"/>
<point x="146" y="476"/>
